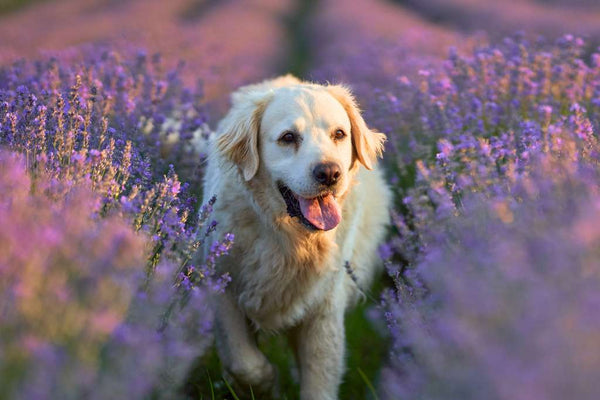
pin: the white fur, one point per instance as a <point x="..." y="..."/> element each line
<point x="286" y="277"/>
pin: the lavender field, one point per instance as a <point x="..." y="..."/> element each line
<point x="491" y="283"/>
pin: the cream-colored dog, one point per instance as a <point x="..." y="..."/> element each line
<point x="293" y="166"/>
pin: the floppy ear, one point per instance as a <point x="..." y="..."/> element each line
<point x="367" y="144"/>
<point x="238" y="131"/>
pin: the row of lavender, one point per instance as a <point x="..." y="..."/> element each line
<point x="98" y="232"/>
<point x="495" y="161"/>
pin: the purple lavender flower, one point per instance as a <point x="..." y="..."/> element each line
<point x="97" y="193"/>
<point x="495" y="232"/>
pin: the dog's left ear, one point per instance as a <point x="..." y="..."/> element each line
<point x="367" y="144"/>
<point x="238" y="131"/>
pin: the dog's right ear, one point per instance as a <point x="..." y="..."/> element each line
<point x="367" y="143"/>
<point x="238" y="131"/>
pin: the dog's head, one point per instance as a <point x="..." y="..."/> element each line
<point x="309" y="139"/>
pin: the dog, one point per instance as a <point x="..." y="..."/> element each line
<point x="294" y="169"/>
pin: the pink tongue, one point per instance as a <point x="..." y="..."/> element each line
<point x="322" y="212"/>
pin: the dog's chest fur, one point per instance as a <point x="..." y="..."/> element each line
<point x="279" y="278"/>
<point x="280" y="271"/>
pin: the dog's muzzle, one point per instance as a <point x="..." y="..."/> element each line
<point x="318" y="213"/>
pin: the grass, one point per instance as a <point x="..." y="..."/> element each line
<point x="231" y="391"/>
<point x="366" y="350"/>
<point x="369" y="384"/>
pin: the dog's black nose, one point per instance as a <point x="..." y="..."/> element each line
<point x="327" y="173"/>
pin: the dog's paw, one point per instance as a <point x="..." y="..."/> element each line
<point x="262" y="377"/>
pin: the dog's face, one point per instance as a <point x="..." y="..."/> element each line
<point x="306" y="147"/>
<point x="307" y="139"/>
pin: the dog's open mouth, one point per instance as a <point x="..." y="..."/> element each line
<point x="319" y="213"/>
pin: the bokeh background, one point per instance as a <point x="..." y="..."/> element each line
<point x="492" y="111"/>
<point x="228" y="43"/>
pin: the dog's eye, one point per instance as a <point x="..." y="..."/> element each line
<point x="339" y="134"/>
<point x="288" y="137"/>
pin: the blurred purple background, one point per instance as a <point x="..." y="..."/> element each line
<point x="230" y="42"/>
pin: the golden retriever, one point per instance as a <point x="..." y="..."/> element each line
<point x="294" y="169"/>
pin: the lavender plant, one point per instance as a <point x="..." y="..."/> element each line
<point x="502" y="303"/>
<point x="124" y="126"/>
<point x="494" y="256"/>
<point x="68" y="278"/>
<point x="122" y="131"/>
<point x="471" y="127"/>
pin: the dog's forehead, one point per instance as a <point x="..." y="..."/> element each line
<point x="304" y="105"/>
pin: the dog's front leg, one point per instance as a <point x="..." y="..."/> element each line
<point x="320" y="351"/>
<point x="237" y="348"/>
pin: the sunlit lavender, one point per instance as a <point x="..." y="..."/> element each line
<point x="495" y="257"/>
<point x="99" y="234"/>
